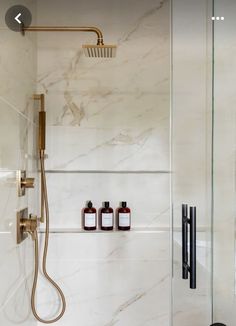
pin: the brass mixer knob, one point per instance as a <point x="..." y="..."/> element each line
<point x="27" y="183"/>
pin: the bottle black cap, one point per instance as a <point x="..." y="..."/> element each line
<point x="123" y="204"/>
<point x="90" y="204"/>
<point x="106" y="204"/>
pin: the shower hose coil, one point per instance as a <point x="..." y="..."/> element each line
<point x="45" y="251"/>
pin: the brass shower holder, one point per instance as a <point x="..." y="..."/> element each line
<point x="25" y="225"/>
<point x="23" y="182"/>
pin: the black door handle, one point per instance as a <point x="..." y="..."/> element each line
<point x="186" y="267"/>
<point x="193" y="244"/>
<point x="185" y="241"/>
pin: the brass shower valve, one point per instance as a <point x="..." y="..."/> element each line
<point x="30" y="225"/>
<point x="26" y="224"/>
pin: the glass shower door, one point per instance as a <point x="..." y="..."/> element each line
<point x="224" y="289"/>
<point x="192" y="157"/>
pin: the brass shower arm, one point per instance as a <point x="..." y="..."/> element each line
<point x="95" y="51"/>
<point x="65" y="29"/>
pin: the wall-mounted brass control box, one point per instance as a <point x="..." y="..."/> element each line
<point x="25" y="224"/>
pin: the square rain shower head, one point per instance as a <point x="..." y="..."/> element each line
<point x="99" y="51"/>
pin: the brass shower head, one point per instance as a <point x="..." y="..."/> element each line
<point x="99" y="51"/>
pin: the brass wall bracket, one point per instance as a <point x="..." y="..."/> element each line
<point x="23" y="183"/>
<point x="25" y="225"/>
<point x="42" y="122"/>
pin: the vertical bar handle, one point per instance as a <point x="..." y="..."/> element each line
<point x="189" y="268"/>
<point x="193" y="243"/>
<point x="185" y="241"/>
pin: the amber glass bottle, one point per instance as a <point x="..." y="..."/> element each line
<point x="90" y="217"/>
<point x="124" y="217"/>
<point x="106" y="217"/>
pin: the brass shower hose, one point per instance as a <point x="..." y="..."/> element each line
<point x="44" y="263"/>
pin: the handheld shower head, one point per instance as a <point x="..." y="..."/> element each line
<point x="99" y="51"/>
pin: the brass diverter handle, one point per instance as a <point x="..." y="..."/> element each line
<point x="24" y="183"/>
<point x="29" y="225"/>
<point x="27" y="183"/>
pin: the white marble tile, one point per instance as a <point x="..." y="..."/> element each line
<point x="143" y="246"/>
<point x="16" y="266"/>
<point x="18" y="63"/>
<point x="17" y="85"/>
<point x="119" y="108"/>
<point x="13" y="143"/>
<point x="17" y="309"/>
<point x="17" y="153"/>
<point x="107" y="282"/>
<point x="108" y="115"/>
<point x="112" y="143"/>
<point x="104" y="293"/>
<point x="8" y="201"/>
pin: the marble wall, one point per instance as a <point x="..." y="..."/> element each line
<point x="17" y="151"/>
<point x="108" y="115"/>
<point x="110" y="278"/>
<point x="108" y="138"/>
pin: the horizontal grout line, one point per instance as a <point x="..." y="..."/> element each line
<point x="110" y="171"/>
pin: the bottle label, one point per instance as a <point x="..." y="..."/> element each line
<point x="124" y="219"/>
<point x="90" y="219"/>
<point x="107" y="219"/>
